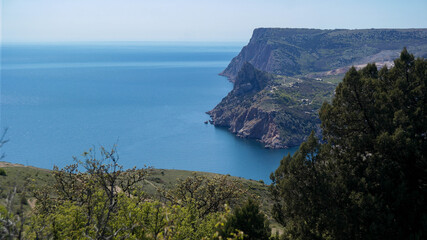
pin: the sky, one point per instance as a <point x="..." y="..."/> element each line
<point x="194" y="20"/>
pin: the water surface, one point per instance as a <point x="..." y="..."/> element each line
<point x="149" y="99"/>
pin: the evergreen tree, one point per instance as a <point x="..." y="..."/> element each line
<point x="368" y="179"/>
<point x="249" y="220"/>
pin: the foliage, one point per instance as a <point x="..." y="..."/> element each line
<point x="205" y="194"/>
<point x="94" y="194"/>
<point x="367" y="180"/>
<point x="12" y="218"/>
<point x="183" y="222"/>
<point x="298" y="187"/>
<point x="106" y="202"/>
<point x="134" y="219"/>
<point x="12" y="224"/>
<point x="249" y="220"/>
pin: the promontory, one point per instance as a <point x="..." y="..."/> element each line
<point x="283" y="75"/>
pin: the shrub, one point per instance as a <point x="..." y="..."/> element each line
<point x="248" y="219"/>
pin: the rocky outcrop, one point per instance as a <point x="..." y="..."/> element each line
<point x="252" y="122"/>
<point x="247" y="120"/>
<point x="243" y="113"/>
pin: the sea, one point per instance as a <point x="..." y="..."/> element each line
<point x="148" y="98"/>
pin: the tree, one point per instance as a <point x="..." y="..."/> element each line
<point x="12" y="222"/>
<point x="92" y="195"/>
<point x="300" y="188"/>
<point x="249" y="220"/>
<point x="3" y="141"/>
<point x="12" y="218"/>
<point x="368" y="177"/>
<point x="205" y="194"/>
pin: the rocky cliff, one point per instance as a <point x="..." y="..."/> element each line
<point x="240" y="116"/>
<point x="282" y="77"/>
<point x="261" y="106"/>
<point x="293" y="52"/>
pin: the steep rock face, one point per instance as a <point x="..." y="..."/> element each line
<point x="301" y="51"/>
<point x="248" y="111"/>
<point x="241" y="117"/>
<point x="252" y="122"/>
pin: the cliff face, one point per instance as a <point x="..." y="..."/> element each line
<point x="251" y="122"/>
<point x="257" y="109"/>
<point x="240" y="116"/>
<point x="302" y="51"/>
<point x="282" y="77"/>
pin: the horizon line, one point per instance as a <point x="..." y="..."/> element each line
<point x="123" y="41"/>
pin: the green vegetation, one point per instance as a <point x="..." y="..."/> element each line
<point x="366" y="180"/>
<point x="249" y="220"/>
<point x="105" y="201"/>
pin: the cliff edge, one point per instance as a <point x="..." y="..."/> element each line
<point x="290" y="51"/>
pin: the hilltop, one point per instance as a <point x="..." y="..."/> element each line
<point x="291" y="52"/>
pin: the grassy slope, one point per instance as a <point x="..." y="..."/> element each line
<point x="17" y="175"/>
<point x="21" y="177"/>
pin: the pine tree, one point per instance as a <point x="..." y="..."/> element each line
<point x="368" y="179"/>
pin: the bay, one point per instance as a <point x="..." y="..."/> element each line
<point x="58" y="100"/>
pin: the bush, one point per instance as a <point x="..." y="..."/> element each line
<point x="248" y="219"/>
<point x="2" y="172"/>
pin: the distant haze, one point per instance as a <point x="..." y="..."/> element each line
<point x="194" y="20"/>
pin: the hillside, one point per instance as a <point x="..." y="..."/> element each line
<point x="282" y="77"/>
<point x="25" y="178"/>
<point x="292" y="52"/>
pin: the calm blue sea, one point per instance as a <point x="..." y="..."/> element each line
<point x="150" y="99"/>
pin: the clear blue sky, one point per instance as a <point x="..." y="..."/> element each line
<point x="194" y="20"/>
